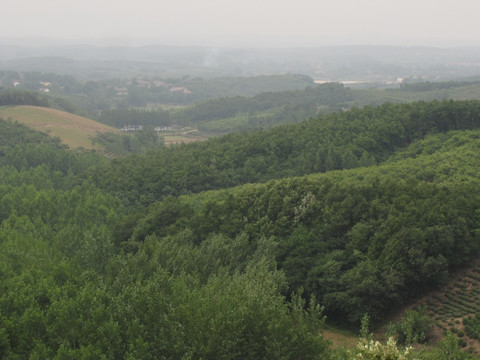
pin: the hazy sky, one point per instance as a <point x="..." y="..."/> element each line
<point x="246" y="22"/>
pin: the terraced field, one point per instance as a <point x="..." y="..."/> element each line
<point x="454" y="308"/>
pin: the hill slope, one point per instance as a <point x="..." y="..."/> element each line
<point x="363" y="240"/>
<point x="344" y="140"/>
<point x="196" y="276"/>
<point x="73" y="130"/>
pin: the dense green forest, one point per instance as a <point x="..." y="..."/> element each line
<point x="139" y="142"/>
<point x="343" y="140"/>
<point x="343" y="215"/>
<point x="16" y="97"/>
<point x="361" y="241"/>
<point x="68" y="292"/>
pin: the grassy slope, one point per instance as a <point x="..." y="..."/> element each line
<point x="73" y="130"/>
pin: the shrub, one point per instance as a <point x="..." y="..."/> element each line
<point x="415" y="328"/>
<point x="472" y="326"/>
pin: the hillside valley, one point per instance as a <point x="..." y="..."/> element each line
<point x="205" y="248"/>
<point x="213" y="106"/>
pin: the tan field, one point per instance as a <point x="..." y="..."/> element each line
<point x="73" y="130"/>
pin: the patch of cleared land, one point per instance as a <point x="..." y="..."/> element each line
<point x="183" y="137"/>
<point x="73" y="130"/>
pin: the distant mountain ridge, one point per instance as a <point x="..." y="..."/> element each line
<point x="333" y="62"/>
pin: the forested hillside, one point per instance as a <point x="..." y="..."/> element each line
<point x="67" y="291"/>
<point x="343" y="215"/>
<point x="343" y="140"/>
<point x="362" y="241"/>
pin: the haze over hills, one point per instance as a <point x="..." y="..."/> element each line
<point x="336" y="189"/>
<point x="364" y="209"/>
<point x="333" y="63"/>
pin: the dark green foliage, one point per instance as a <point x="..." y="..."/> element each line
<point x="68" y="292"/>
<point x="14" y="133"/>
<point x="361" y="241"/>
<point x="472" y="326"/>
<point x="22" y="97"/>
<point x="139" y="142"/>
<point x="360" y="137"/>
<point x="235" y="273"/>
<point x="65" y="162"/>
<point x="23" y="150"/>
<point x="63" y="104"/>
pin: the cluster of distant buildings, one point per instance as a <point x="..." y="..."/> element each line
<point x="120" y="91"/>
<point x="140" y="127"/>
<point x="123" y="91"/>
<point x="44" y="85"/>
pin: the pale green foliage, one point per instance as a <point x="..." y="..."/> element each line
<point x="415" y="328"/>
<point x="374" y="350"/>
<point x="369" y="349"/>
<point x="364" y="334"/>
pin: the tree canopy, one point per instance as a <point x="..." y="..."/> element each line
<point x="345" y="214"/>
